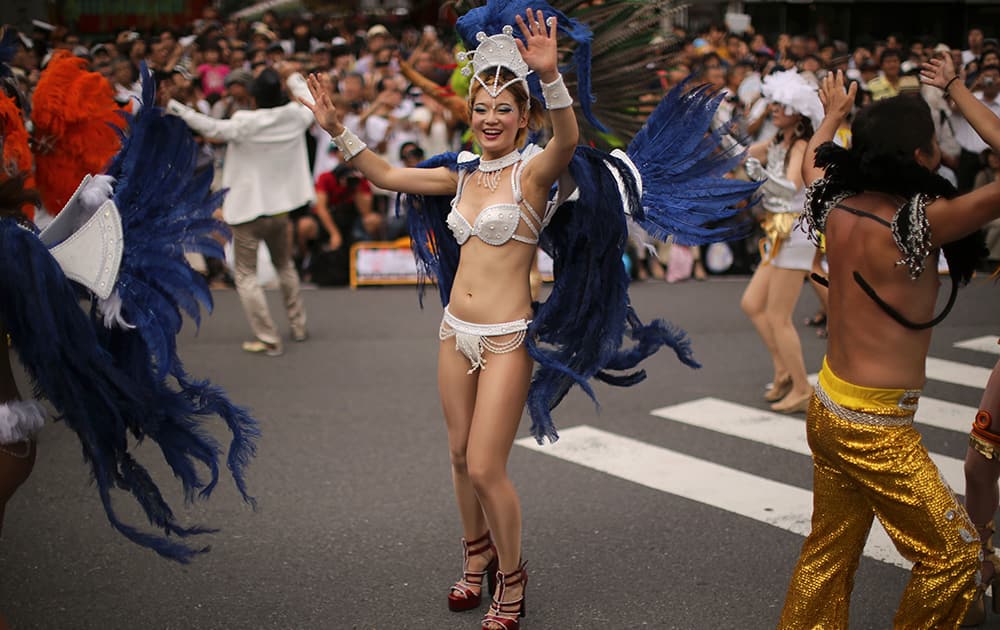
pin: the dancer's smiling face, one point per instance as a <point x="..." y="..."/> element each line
<point x="497" y="122"/>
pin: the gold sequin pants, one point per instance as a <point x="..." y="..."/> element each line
<point x="861" y="471"/>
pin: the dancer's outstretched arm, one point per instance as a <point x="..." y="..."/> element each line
<point x="419" y="181"/>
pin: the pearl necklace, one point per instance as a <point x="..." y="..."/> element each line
<point x="488" y="172"/>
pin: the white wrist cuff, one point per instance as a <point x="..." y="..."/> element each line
<point x="556" y="95"/>
<point x="20" y="420"/>
<point x="349" y="144"/>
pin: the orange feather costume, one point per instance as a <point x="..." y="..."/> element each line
<point x="16" y="153"/>
<point x="77" y="125"/>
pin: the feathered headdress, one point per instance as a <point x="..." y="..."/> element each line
<point x="495" y="52"/>
<point x="14" y="150"/>
<point x="497" y="16"/>
<point x="77" y="125"/>
<point x="790" y="89"/>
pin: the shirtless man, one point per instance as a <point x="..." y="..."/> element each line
<point x="868" y="460"/>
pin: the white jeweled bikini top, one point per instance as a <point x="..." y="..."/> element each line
<point x="496" y="224"/>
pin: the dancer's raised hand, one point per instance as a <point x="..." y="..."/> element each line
<point x="323" y="108"/>
<point x="539" y="47"/>
<point x="836" y="100"/>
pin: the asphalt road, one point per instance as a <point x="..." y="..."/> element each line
<point x="357" y="528"/>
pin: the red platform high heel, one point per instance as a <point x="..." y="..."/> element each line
<point x="467" y="593"/>
<point x="506" y="615"/>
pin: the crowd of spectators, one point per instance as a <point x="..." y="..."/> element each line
<point x="211" y="67"/>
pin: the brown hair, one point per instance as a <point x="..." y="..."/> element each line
<point x="521" y="96"/>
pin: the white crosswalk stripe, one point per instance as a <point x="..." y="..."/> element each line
<point x="986" y="343"/>
<point x="765" y="500"/>
<point x="773" y="429"/>
<point x="945" y="415"/>
<point x="957" y="373"/>
<point x="760" y="499"/>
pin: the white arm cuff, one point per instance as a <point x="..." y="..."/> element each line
<point x="349" y="144"/>
<point x="556" y="95"/>
<point x="20" y="420"/>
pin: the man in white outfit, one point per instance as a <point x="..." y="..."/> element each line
<point x="267" y="174"/>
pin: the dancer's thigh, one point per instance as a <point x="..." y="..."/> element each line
<point x="783" y="291"/>
<point x="500" y="398"/>
<point x="754" y="298"/>
<point x="457" y="389"/>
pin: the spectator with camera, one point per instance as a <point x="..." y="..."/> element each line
<point x="343" y="214"/>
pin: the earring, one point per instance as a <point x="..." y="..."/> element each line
<point x="800" y="129"/>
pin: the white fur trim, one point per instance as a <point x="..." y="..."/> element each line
<point x="95" y="192"/>
<point x="20" y="420"/>
<point x="111" y="311"/>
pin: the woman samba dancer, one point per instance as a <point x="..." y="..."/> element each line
<point x="497" y="213"/>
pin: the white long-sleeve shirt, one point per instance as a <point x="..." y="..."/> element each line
<point x="267" y="165"/>
<point x="966" y="136"/>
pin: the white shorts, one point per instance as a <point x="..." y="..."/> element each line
<point x="795" y="252"/>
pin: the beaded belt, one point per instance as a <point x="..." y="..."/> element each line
<point x="864" y="417"/>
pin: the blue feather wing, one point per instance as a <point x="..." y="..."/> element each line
<point x="95" y="394"/>
<point x="166" y="212"/>
<point x="587" y="328"/>
<point x="685" y="193"/>
<point x="433" y="245"/>
<point x="110" y="383"/>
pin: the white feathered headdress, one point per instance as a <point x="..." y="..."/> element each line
<point x="790" y="89"/>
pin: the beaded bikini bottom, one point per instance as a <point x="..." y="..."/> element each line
<point x="473" y="340"/>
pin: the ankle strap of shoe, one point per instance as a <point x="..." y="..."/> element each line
<point x="514" y="578"/>
<point x="479" y="545"/>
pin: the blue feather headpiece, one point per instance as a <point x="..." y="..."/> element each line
<point x="491" y="19"/>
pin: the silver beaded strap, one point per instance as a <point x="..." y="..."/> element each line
<point x="556" y="95"/>
<point x="864" y="417"/>
<point x="350" y="145"/>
